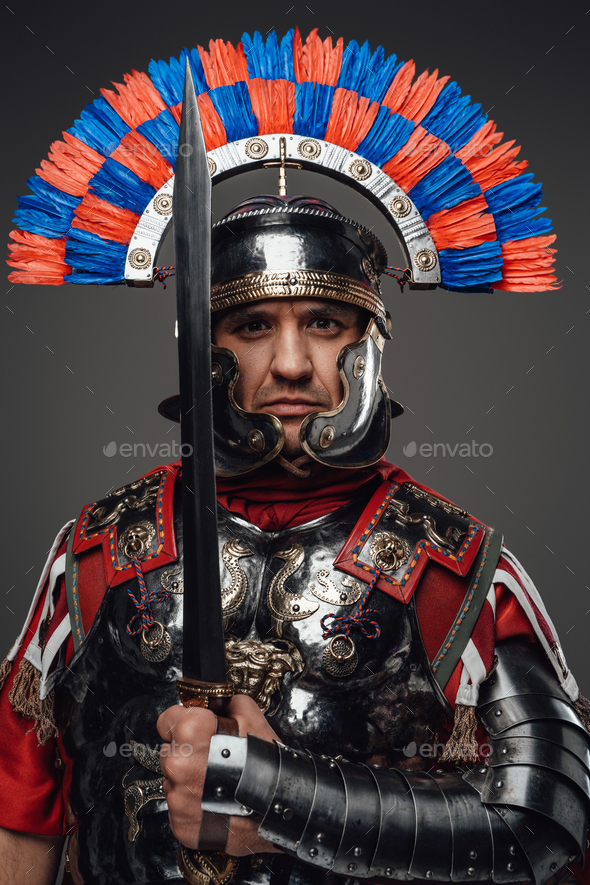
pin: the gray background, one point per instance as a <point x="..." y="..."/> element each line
<point x="84" y="367"/>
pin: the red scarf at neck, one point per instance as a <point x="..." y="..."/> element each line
<point x="273" y="499"/>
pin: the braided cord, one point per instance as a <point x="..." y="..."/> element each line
<point x="162" y="273"/>
<point x="363" y="619"/>
<point x="143" y="618"/>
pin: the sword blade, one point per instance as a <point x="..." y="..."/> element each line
<point x="203" y="637"/>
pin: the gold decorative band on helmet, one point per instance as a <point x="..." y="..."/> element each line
<point x="295" y="284"/>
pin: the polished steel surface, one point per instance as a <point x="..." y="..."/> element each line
<point x="204" y="655"/>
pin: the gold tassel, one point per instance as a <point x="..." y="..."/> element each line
<point x="462" y="746"/>
<point x="25" y="699"/>
<point x="5" y="668"/>
<point x="582" y="707"/>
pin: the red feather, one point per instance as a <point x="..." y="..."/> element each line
<point x="142" y="157"/>
<point x="70" y="166"/>
<point x="491" y="165"/>
<point x="421" y="153"/>
<point x="138" y="99"/>
<point x="351" y="118"/>
<point x="528" y="265"/>
<point x="468" y="224"/>
<point x="105" y="220"/>
<point x="273" y="103"/>
<point x="39" y="260"/>
<point x="400" y="87"/>
<point x="422" y="96"/>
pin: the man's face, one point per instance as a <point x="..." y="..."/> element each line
<point x="287" y="349"/>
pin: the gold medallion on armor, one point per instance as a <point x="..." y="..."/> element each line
<point x="340" y="658"/>
<point x="155" y="643"/>
<point x="388" y="551"/>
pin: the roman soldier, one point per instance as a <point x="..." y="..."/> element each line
<point x="402" y="708"/>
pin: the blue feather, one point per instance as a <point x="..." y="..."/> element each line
<point x="233" y="105"/>
<point x="163" y="132"/>
<point x="286" y="56"/>
<point x="90" y="254"/>
<point x="313" y="106"/>
<point x="47" y="211"/>
<point x="379" y="75"/>
<point x="169" y="78"/>
<point x="264" y="61"/>
<point x="473" y="268"/>
<point x="119" y="185"/>
<point x="453" y="118"/>
<point x="100" y="127"/>
<point x="444" y="186"/>
<point x="515" y="205"/>
<point x="386" y="136"/>
<point x="86" y="279"/>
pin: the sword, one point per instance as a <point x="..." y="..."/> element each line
<point x="204" y="681"/>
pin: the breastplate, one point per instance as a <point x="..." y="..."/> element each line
<point x="277" y="587"/>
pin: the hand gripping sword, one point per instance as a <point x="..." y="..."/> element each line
<point x="204" y="680"/>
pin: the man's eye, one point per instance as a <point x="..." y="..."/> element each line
<point x="324" y="323"/>
<point x="254" y="326"/>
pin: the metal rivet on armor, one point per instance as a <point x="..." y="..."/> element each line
<point x="256" y="440"/>
<point x="471" y="871"/>
<point x="343" y="597"/>
<point x="216" y="374"/>
<point x="482" y="770"/>
<point x="256" y="148"/>
<point x="163" y="202"/>
<point x="425" y="259"/>
<point x="313" y="852"/>
<point x="332" y="764"/>
<point x="413" y="667"/>
<point x="309" y="149"/>
<point x="376" y="765"/>
<point x="400" y="206"/>
<point x="327" y="436"/>
<point x="504" y="750"/>
<point x="357" y="851"/>
<point x="245" y="810"/>
<point x="473" y="855"/>
<point x="352" y="867"/>
<point x="287" y="814"/>
<point x="219" y="792"/>
<point x="389" y="872"/>
<point x="497" y="712"/>
<point x="278" y="809"/>
<point x="499" y="784"/>
<point x="320" y="837"/>
<point x="359" y="366"/>
<point x="140" y="258"/>
<point x="510" y="867"/>
<point x="429" y="874"/>
<point x="512" y="849"/>
<point x="440" y="771"/>
<point x="295" y="608"/>
<point x="293" y="281"/>
<point x="360" y="169"/>
<point x="553" y="867"/>
<point x="225" y="753"/>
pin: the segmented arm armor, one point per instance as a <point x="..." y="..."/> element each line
<point x="523" y="816"/>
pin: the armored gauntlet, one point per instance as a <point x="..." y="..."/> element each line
<point x="523" y="815"/>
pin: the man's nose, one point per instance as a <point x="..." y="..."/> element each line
<point x="290" y="356"/>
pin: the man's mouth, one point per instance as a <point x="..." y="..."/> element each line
<point x="291" y="408"/>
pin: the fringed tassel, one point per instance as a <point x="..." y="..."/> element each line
<point x="5" y="668"/>
<point x="462" y="745"/>
<point x="582" y="707"/>
<point x="25" y="699"/>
